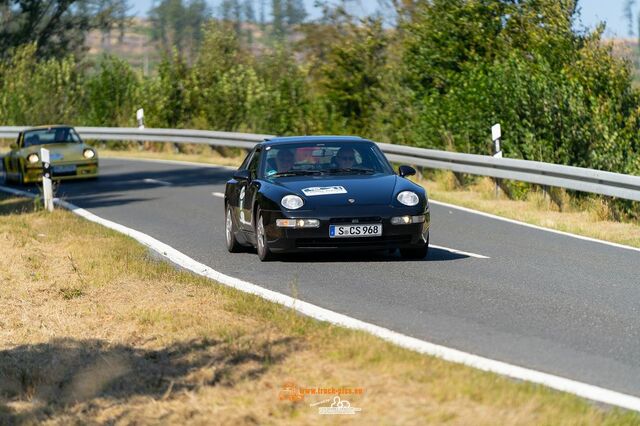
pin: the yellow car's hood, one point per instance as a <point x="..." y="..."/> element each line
<point x="60" y="152"/>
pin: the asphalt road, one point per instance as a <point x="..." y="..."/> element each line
<point x="553" y="303"/>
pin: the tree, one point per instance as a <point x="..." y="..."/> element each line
<point x="111" y="94"/>
<point x="57" y="27"/>
<point x="295" y="12"/>
<point x="39" y="91"/>
<point x="277" y="13"/>
<point x="286" y="14"/>
<point x="348" y="63"/>
<point x="178" y="26"/>
<point x="561" y="95"/>
<point x="628" y="14"/>
<point x="250" y="17"/>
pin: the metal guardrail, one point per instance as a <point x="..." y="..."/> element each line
<point x="568" y="177"/>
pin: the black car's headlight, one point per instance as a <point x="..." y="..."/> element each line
<point x="408" y="198"/>
<point x="33" y="158"/>
<point x="88" y="153"/>
<point x="291" y="202"/>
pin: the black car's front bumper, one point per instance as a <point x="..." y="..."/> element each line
<point x="280" y="240"/>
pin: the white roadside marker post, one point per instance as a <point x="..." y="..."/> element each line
<point x="496" y="134"/>
<point x="47" y="189"/>
<point x="140" y="118"/>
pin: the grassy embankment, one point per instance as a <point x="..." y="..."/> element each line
<point x="95" y="329"/>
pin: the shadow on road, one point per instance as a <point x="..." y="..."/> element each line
<point x="120" y="177"/>
<point x="435" y="255"/>
<point x="16" y="205"/>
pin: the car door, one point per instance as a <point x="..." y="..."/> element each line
<point x="235" y="189"/>
<point x="248" y="192"/>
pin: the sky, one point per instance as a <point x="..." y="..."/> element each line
<point x="593" y="12"/>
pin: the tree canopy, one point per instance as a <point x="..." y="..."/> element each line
<point x="57" y="27"/>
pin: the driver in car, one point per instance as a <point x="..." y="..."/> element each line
<point x="284" y="162"/>
<point x="345" y="158"/>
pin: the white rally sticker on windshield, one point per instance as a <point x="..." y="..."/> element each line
<point x="324" y="190"/>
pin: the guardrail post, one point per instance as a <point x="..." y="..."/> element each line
<point x="47" y="189"/>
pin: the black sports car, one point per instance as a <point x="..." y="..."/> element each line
<point x="322" y="193"/>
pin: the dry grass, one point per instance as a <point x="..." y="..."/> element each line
<point x="590" y="217"/>
<point x="94" y="330"/>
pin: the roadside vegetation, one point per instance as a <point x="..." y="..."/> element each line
<point x="76" y="347"/>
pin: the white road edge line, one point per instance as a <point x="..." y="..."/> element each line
<point x="450" y="250"/>
<point x="584" y="390"/>
<point x="157" y="182"/>
<point x="529" y="225"/>
<point x="465" y="253"/>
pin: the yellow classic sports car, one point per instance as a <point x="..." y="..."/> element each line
<point x="70" y="157"/>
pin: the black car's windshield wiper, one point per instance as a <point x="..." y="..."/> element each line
<point x="296" y="173"/>
<point x="351" y="170"/>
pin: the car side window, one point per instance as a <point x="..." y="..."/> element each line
<point x="254" y="163"/>
<point x="247" y="159"/>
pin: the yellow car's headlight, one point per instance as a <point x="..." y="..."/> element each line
<point x="89" y="153"/>
<point x="33" y="158"/>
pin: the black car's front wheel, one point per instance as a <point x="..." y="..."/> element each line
<point x="230" y="232"/>
<point x="261" y="240"/>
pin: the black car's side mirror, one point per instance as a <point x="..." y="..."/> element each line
<point x="241" y="175"/>
<point x="405" y="171"/>
<point x="13" y="146"/>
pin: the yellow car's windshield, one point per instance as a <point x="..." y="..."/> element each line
<point x="51" y="135"/>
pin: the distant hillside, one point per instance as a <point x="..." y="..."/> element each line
<point x="137" y="47"/>
<point x="134" y="45"/>
<point x="628" y="48"/>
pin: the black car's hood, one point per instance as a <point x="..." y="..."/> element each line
<point x="364" y="189"/>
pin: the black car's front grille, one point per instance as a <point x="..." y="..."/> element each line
<point x="352" y="242"/>
<point x="372" y="219"/>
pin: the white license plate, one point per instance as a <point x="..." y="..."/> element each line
<point x="350" y="231"/>
<point x="64" y="169"/>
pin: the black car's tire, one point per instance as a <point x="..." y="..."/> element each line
<point x="230" y="232"/>
<point x="261" y="241"/>
<point x="415" y="253"/>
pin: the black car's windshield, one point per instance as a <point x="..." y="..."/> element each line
<point x="50" y="135"/>
<point x="330" y="158"/>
